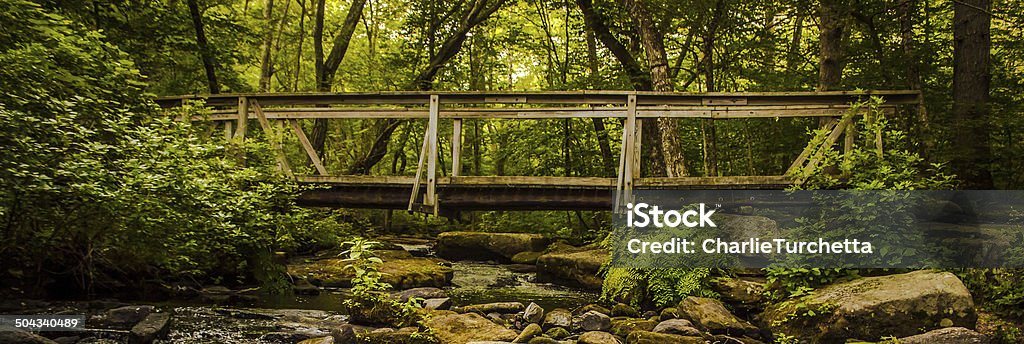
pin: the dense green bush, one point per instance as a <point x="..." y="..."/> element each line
<point x="97" y="183"/>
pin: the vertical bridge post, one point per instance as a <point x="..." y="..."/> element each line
<point x="628" y="159"/>
<point x="456" y="147"/>
<point x="431" y="198"/>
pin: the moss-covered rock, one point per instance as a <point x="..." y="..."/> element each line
<point x="400" y="269"/>
<point x="874" y="307"/>
<point x="711" y="315"/>
<point x="578" y="268"/>
<point x="645" y="337"/>
<point x="468" y="327"/>
<point x="743" y="294"/>
<point x="622" y="327"/>
<point x="529" y="257"/>
<point x="487" y="246"/>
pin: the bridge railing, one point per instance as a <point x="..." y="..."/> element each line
<point x="235" y="111"/>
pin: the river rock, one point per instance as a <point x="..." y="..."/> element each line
<point x="544" y="340"/>
<point x="743" y="227"/>
<point x="624" y="310"/>
<point x="22" y="337"/>
<point x="468" y="327"/>
<point x="533" y="313"/>
<point x="624" y="326"/>
<point x="742" y="293"/>
<point x="677" y="326"/>
<point x="419" y="293"/>
<point x="494" y="307"/>
<point x="872" y="307"/>
<point x="531" y="330"/>
<point x="597" y="337"/>
<point x="557" y="333"/>
<point x="711" y="316"/>
<point x="528" y="257"/>
<point x="592" y="307"/>
<point x="153" y="326"/>
<point x="439" y="303"/>
<point x="558" y="317"/>
<point x="344" y="334"/>
<point x="578" y="268"/>
<point x="949" y="335"/>
<point x="125" y="317"/>
<point x="303" y="287"/>
<point x="646" y="337"/>
<point x="593" y="321"/>
<point x="400" y="269"/>
<point x="487" y="246"/>
<point x="669" y="313"/>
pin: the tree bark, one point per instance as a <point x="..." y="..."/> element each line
<point x="640" y="79"/>
<point x="326" y="69"/>
<point x="204" y="47"/>
<point x="707" y="126"/>
<point x="657" y="61"/>
<point x="265" y="64"/>
<point x="971" y="79"/>
<point x="830" y="37"/>
<point x="595" y="81"/>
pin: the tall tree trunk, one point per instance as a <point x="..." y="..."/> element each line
<point x="326" y="69"/>
<point x="707" y="126"/>
<point x="204" y="47"/>
<point x="298" y="50"/>
<point x="971" y="78"/>
<point x="657" y="62"/>
<point x="831" y="29"/>
<point x="595" y="81"/>
<point x="907" y="10"/>
<point x="265" y="64"/>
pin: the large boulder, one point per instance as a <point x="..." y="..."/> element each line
<point x="487" y="246"/>
<point x="949" y="335"/>
<point x="743" y="227"/>
<point x="468" y="327"/>
<point x="711" y="315"/>
<point x="874" y="307"/>
<point x="573" y="267"/>
<point x="400" y="269"/>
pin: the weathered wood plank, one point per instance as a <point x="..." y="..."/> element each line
<point x="431" y="197"/>
<point x="275" y="139"/>
<point x="456" y="147"/>
<point x="308" y="147"/>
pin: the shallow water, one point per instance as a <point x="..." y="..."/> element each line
<point x="479" y="282"/>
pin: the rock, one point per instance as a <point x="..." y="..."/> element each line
<point x="440" y="303"/>
<point x="577" y="268"/>
<point x="597" y="337"/>
<point x="872" y="307"/>
<point x="558" y="317"/>
<point x="677" y="326"/>
<point x="557" y="332"/>
<point x="462" y="328"/>
<point x="487" y="246"/>
<point x="529" y="257"/>
<point x="320" y="340"/>
<point x="592" y="307"/>
<point x="401" y="270"/>
<point x="405" y="335"/>
<point x="593" y="321"/>
<point x="22" y="337"/>
<point x="742" y="293"/>
<point x="669" y="313"/>
<point x="533" y="313"/>
<point x="494" y="307"/>
<point x="543" y="340"/>
<point x="949" y="335"/>
<point x="419" y="293"/>
<point x="126" y="317"/>
<point x="67" y="340"/>
<point x="743" y="227"/>
<point x="624" y="326"/>
<point x="624" y="310"/>
<point x="650" y="315"/>
<point x="723" y="339"/>
<point x="303" y="287"/>
<point x="155" y="325"/>
<point x="531" y="330"/>
<point x="645" y="337"/>
<point x="344" y="334"/>
<point x="711" y="316"/>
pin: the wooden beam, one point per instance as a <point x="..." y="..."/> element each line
<point x="308" y="147"/>
<point x="456" y="147"/>
<point x="242" y="119"/>
<point x="275" y="139"/>
<point x="431" y="196"/>
<point x="228" y="132"/>
<point x="552" y="182"/>
<point x="810" y="148"/>
<point x="630" y="128"/>
<point x="419" y="172"/>
<point x="829" y="142"/>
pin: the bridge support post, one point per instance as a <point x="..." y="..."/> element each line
<point x="431" y="198"/>
<point x="456" y="147"/>
<point x="629" y="160"/>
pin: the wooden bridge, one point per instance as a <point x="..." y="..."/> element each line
<point x="430" y="192"/>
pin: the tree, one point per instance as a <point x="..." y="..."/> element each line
<point x="326" y="69"/>
<point x="971" y="80"/>
<point x="831" y="28"/>
<point x="204" y="47"/>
